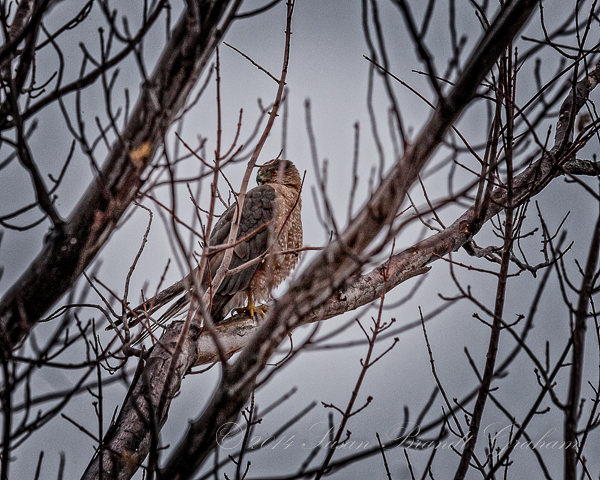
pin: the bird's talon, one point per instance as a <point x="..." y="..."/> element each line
<point x="252" y="310"/>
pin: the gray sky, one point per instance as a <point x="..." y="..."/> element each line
<point x="327" y="67"/>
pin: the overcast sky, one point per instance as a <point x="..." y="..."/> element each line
<point x="327" y="68"/>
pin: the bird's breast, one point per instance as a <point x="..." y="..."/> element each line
<point x="285" y="235"/>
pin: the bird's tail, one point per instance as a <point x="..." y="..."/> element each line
<point x="175" y="310"/>
<point x="217" y="311"/>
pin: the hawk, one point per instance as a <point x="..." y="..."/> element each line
<point x="271" y="223"/>
<point x="268" y="239"/>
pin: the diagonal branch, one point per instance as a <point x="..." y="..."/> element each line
<point x="415" y="260"/>
<point x="67" y="253"/>
<point x="236" y="333"/>
<point x="342" y="258"/>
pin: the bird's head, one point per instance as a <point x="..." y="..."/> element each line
<point x="282" y="172"/>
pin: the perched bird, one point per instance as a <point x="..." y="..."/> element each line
<point x="270" y="223"/>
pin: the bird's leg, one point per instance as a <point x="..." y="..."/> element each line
<point x="254" y="309"/>
<point x="251" y="308"/>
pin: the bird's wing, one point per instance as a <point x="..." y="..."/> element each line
<point x="253" y="237"/>
<point x="257" y="212"/>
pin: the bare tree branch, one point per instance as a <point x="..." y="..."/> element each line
<point x="461" y="192"/>
<point x="68" y="252"/>
<point x="343" y="257"/>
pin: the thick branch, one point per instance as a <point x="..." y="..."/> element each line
<point x="364" y="289"/>
<point x="342" y="258"/>
<point x="582" y="167"/>
<point x="66" y="254"/>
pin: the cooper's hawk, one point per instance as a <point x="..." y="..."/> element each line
<point x="270" y="223"/>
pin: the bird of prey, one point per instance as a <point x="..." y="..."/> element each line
<point x="270" y="224"/>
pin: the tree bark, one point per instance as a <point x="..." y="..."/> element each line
<point x="317" y="284"/>
<point x="69" y="249"/>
